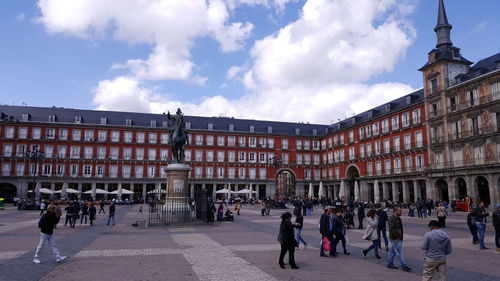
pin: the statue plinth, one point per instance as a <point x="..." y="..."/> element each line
<point x="177" y="197"/>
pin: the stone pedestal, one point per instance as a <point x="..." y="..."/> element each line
<point x="177" y="197"/>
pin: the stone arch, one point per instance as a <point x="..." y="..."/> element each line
<point x="8" y="191"/>
<point x="351" y="174"/>
<point x="285" y="182"/>
<point x="482" y="187"/>
<point x="442" y="190"/>
<point x="460" y="186"/>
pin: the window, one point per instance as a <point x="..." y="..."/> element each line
<point x="197" y="172"/>
<point x="199" y="139"/>
<point x="151" y="154"/>
<point x="387" y="145"/>
<point x="342" y="156"/>
<point x="361" y="133"/>
<point x="307" y="159"/>
<point x="78" y="119"/>
<point x="210" y="156"/>
<point x="385" y="126"/>
<point x="377" y="147"/>
<point x="387" y="167"/>
<point x="252" y="172"/>
<point x="242" y="157"/>
<point x="434" y="85"/>
<point x="231" y="173"/>
<point x="139" y="153"/>
<point x="87" y="170"/>
<point x="252" y="157"/>
<point x="262" y="142"/>
<point x="418" y="139"/>
<point x="395" y="123"/>
<point x="47" y="170"/>
<point x="20" y="150"/>
<point x="495" y="91"/>
<point x="139" y="171"/>
<point x="368" y="149"/>
<point x="220" y="172"/>
<point x="457" y="155"/>
<point x="49" y="150"/>
<point x="152" y="137"/>
<point x="198" y="155"/>
<point x="23" y="133"/>
<point x="397" y="142"/>
<point x="113" y="171"/>
<point x="88" y="152"/>
<point x="307" y="174"/>
<point x="252" y="142"/>
<point x="474" y="125"/>
<point x="127" y="153"/>
<point x="397" y="165"/>
<point x="307" y="145"/>
<point x="232" y="156"/>
<point x="36" y="133"/>
<point x="241" y="173"/>
<point x="74" y="170"/>
<point x="453" y="104"/>
<point x="164" y="138"/>
<point x="262" y="173"/>
<point x="375" y="129"/>
<point x="284" y="143"/>
<point x="368" y="131"/>
<point x="408" y="164"/>
<point x="60" y="170"/>
<point x="9" y="132"/>
<point x="284" y="158"/>
<point x="435" y="109"/>
<point x="473" y="97"/>
<point x="407" y="141"/>
<point x="151" y="171"/>
<point x="126" y="171"/>
<point x="101" y="152"/>
<point x="75" y="152"/>
<point x="298" y="158"/>
<point x="369" y="168"/>
<point x="115" y="136"/>
<point x="140" y="136"/>
<point x="337" y="173"/>
<point x="241" y="141"/>
<point x="128" y="122"/>
<point x="341" y="137"/>
<point x="102" y="136"/>
<point x="104" y="120"/>
<point x="7" y="150"/>
<point x="76" y="135"/>
<point x="210" y="140"/>
<point x="52" y="118"/>
<point x="351" y="136"/>
<point x="361" y="150"/>
<point x="61" y="151"/>
<point x="220" y="140"/>
<point x="478" y="155"/>
<point x="416" y="117"/>
<point x="405" y="120"/>
<point x="114" y="151"/>
<point x="351" y="153"/>
<point x="270" y="142"/>
<point x="187" y="155"/>
<point x="50" y="133"/>
<point x="438" y="159"/>
<point x="220" y="156"/>
<point x="128" y="137"/>
<point x="19" y="169"/>
<point x="153" y="123"/>
<point x="298" y="144"/>
<point x="99" y="171"/>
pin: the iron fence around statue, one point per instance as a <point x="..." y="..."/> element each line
<point x="166" y="210"/>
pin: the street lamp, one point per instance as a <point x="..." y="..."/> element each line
<point x="33" y="156"/>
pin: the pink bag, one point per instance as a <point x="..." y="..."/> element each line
<point x="326" y="244"/>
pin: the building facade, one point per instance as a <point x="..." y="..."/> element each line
<point x="441" y="142"/>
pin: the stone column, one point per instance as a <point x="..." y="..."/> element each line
<point x="417" y="190"/>
<point x="79" y="187"/>
<point x="106" y="187"/>
<point x="493" y="188"/>
<point x="94" y="186"/>
<point x="144" y="193"/>
<point x="214" y="189"/>
<point x="406" y="191"/>
<point x="471" y="190"/>
<point x="385" y="187"/>
<point x="258" y="191"/>
<point x="191" y="190"/>
<point x="395" y="192"/>
<point x="452" y="193"/>
<point x="53" y="188"/>
<point x="430" y="190"/>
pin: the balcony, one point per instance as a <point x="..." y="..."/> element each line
<point x="435" y="114"/>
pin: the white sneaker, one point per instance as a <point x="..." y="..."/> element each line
<point x="61" y="258"/>
<point x="36" y="260"/>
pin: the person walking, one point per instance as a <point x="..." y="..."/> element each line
<point x="382" y="227"/>
<point x="111" y="213"/>
<point x="339" y="232"/>
<point x="85" y="213"/>
<point x="441" y="215"/>
<point x="58" y="211"/>
<point x="237" y="207"/>
<point x="101" y="207"/>
<point x="437" y="245"/>
<point x="396" y="237"/>
<point x="371" y="234"/>
<point x="299" y="222"/>
<point x="42" y="207"/>
<point x="92" y="213"/>
<point x="326" y="228"/>
<point x="496" y="225"/>
<point x="46" y="224"/>
<point x="70" y="215"/>
<point x="361" y="215"/>
<point x="480" y="215"/>
<point x="287" y="241"/>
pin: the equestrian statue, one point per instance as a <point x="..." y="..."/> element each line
<point x="178" y="136"/>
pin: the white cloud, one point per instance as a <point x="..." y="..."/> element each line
<point x="313" y="69"/>
<point x="21" y="17"/>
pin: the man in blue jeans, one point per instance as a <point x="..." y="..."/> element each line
<point x="111" y="212"/>
<point x="326" y="230"/>
<point x="381" y="228"/>
<point x="396" y="237"/>
<point x="480" y="215"/>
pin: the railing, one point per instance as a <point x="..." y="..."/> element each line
<point x="435" y="113"/>
<point x="462" y="163"/>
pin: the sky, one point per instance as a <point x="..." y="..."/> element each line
<point x="286" y="60"/>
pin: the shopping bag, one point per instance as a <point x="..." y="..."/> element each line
<point x="326" y="244"/>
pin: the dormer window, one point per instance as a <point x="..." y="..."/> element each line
<point x="188" y="125"/>
<point x="78" y="119"/>
<point x="353" y="121"/>
<point x="52" y="118"/>
<point x="210" y="126"/>
<point x="153" y="123"/>
<point x="104" y="120"/>
<point x="456" y="53"/>
<point x="297" y="131"/>
<point x="388" y="107"/>
<point x="164" y="124"/>
<point x="128" y="122"/>
<point x="315" y="132"/>
<point x="25" y="117"/>
<point x="231" y="127"/>
<point x="408" y="100"/>
<point x="269" y="129"/>
<point x="252" y="129"/>
<point x="370" y="114"/>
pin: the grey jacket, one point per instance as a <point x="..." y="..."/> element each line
<point x="437" y="244"/>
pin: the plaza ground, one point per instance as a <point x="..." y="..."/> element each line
<point x="242" y="250"/>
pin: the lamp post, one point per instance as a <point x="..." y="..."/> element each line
<point x="33" y="156"/>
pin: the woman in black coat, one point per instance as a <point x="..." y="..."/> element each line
<point x="287" y="239"/>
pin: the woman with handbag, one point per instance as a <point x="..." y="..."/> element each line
<point x="441" y="215"/>
<point x="371" y="234"/>
<point x="287" y="240"/>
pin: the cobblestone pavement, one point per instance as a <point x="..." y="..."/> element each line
<point x="245" y="249"/>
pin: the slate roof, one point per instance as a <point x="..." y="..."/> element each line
<point x="116" y="118"/>
<point x="480" y="68"/>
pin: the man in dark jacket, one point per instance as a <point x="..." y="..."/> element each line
<point x="92" y="213"/>
<point x="496" y="225"/>
<point x="326" y="228"/>
<point x="471" y="223"/>
<point x="396" y="237"/>
<point x="361" y="215"/>
<point x="382" y="227"/>
<point x="480" y="215"/>
<point x="46" y="224"/>
<point x="111" y="213"/>
<point x="339" y="232"/>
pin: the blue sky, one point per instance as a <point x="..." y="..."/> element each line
<point x="48" y="58"/>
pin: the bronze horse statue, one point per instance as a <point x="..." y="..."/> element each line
<point x="178" y="137"/>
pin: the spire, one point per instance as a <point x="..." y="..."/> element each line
<point x="443" y="28"/>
